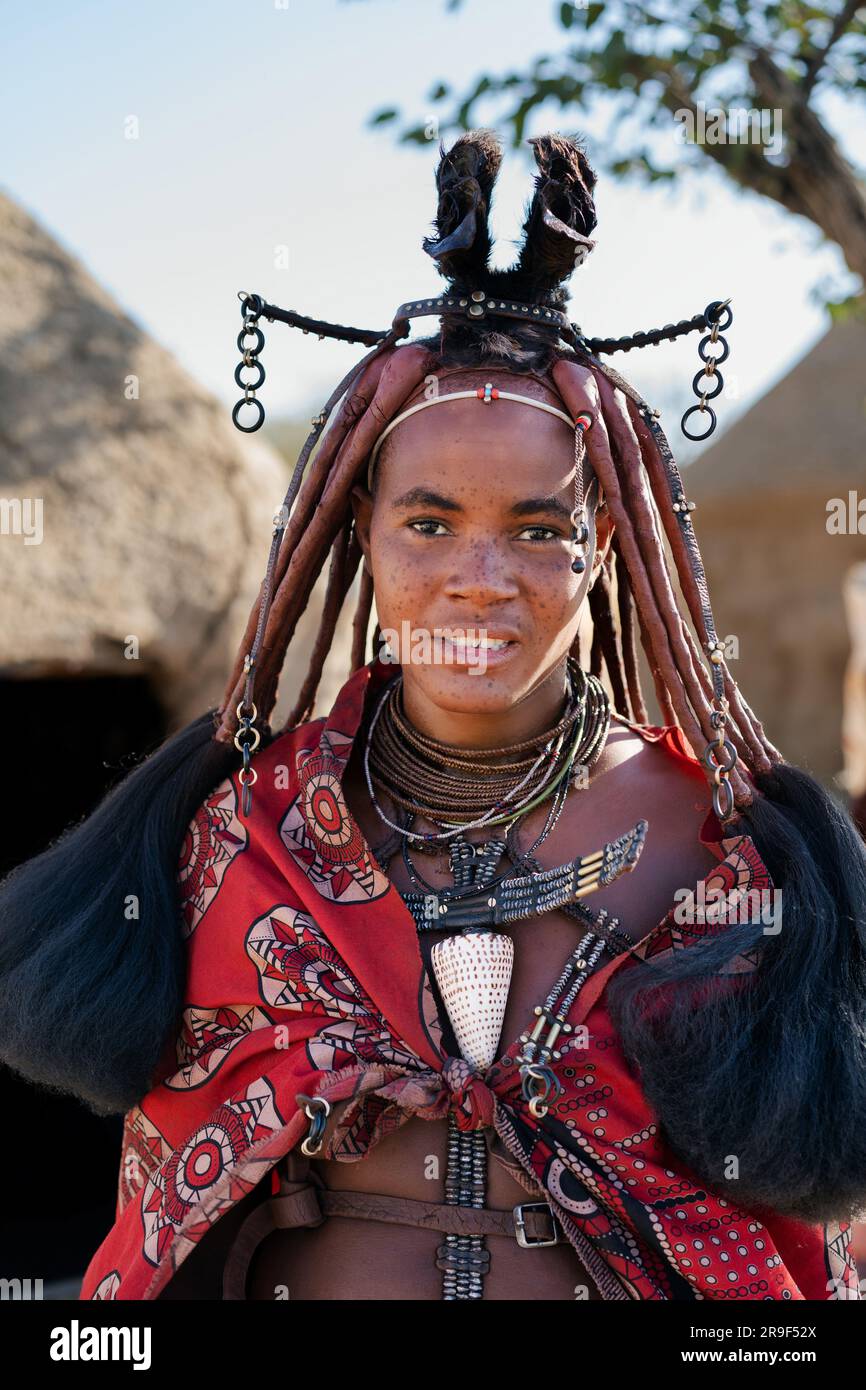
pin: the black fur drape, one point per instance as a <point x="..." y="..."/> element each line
<point x="89" y="992"/>
<point x="768" y="1068"/>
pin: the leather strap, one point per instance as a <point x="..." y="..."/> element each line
<point x="538" y="1225"/>
<point x="309" y="1203"/>
<point x="476" y="304"/>
<point x="296" y="1205"/>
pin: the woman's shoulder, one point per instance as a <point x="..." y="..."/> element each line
<point x="647" y="772"/>
<point x="655" y="756"/>
<point x="669" y="738"/>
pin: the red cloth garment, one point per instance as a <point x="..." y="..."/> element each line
<point x="305" y="977"/>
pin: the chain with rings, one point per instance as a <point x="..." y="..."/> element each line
<point x="715" y="315"/>
<point x="251" y="341"/>
<point x="719" y="758"/>
<point x="247" y="740"/>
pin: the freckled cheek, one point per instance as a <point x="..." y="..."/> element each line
<point x="554" y="593"/>
<point x="547" y="568"/>
<point x="400" y="576"/>
<point x="407" y="577"/>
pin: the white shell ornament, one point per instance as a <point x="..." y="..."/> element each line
<point x="473" y="972"/>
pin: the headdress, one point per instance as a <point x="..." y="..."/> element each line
<point x="513" y="319"/>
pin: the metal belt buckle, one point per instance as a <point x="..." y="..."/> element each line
<point x="520" y="1224"/>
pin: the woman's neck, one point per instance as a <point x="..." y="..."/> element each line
<point x="536" y="712"/>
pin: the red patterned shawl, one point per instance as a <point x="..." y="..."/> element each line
<point x="305" y="976"/>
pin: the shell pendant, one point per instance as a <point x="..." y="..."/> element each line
<point x="473" y="972"/>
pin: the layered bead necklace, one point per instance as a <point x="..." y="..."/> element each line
<point x="461" y="789"/>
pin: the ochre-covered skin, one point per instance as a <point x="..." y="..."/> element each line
<point x="625" y="455"/>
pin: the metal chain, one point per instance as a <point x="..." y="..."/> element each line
<point x="720" y="757"/>
<point x="247" y="740"/>
<point x="713" y="315"/>
<point x="251" y="307"/>
<point x="318" y="1121"/>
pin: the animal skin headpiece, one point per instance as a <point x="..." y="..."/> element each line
<point x="514" y="322"/>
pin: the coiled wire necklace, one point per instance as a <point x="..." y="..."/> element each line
<point x="460" y="789"/>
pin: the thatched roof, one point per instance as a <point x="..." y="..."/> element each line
<point x="155" y="512"/>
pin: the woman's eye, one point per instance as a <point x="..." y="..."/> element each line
<point x="426" y="527"/>
<point x="549" y="531"/>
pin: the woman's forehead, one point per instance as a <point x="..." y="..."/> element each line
<point x="470" y="434"/>
<point x="506" y="426"/>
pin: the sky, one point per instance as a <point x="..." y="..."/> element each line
<point x="254" y="168"/>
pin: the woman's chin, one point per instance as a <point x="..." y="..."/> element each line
<point x="469" y="687"/>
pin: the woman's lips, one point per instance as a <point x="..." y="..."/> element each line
<point x="482" y="655"/>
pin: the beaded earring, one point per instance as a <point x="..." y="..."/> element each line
<point x="579" y="523"/>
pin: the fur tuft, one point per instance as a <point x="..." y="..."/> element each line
<point x="91" y="995"/>
<point x="465" y="177"/>
<point x="558" y="219"/>
<point x="560" y="216"/>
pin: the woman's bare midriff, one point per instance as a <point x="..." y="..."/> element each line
<point x="348" y="1258"/>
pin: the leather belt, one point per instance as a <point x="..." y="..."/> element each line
<point x="532" y="1224"/>
<point x="529" y="1223"/>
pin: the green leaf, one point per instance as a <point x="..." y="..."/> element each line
<point x="418" y="135"/>
<point x="841" y="310"/>
<point x="389" y="113"/>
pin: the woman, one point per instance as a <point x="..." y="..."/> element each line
<point x="670" y="1090"/>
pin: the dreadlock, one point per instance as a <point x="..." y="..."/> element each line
<point x="788" y="1052"/>
<point x="639" y="485"/>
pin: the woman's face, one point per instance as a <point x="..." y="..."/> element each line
<point x="470" y="529"/>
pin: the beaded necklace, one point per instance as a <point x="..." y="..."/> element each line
<point x="453" y="788"/>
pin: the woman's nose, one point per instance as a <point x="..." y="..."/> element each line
<point x="485" y="572"/>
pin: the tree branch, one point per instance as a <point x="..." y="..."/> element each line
<point x="819" y="57"/>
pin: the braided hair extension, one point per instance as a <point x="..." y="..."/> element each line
<point x="559" y="218"/>
<point x="786" y="1046"/>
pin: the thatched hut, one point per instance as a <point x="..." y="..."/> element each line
<point x="135" y="523"/>
<point x="769" y="497"/>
